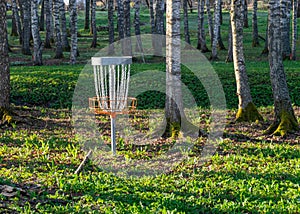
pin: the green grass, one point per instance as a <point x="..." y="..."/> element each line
<point x="250" y="173"/>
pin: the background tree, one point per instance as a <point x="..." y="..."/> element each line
<point x="64" y="36"/>
<point x="246" y="110"/>
<point x="285" y="28"/>
<point x="26" y="27"/>
<point x="209" y="21"/>
<point x="201" y="28"/>
<point x="111" y="30"/>
<point x="295" y="29"/>
<point x="4" y="67"/>
<point x="87" y="15"/>
<point x="37" y="42"/>
<point x="127" y="28"/>
<point x="186" y="22"/>
<point x="17" y="18"/>
<point x="255" y="41"/>
<point x="48" y="14"/>
<point x="173" y="105"/>
<point x="159" y="26"/>
<point x="137" y="30"/>
<point x="214" y="53"/>
<point x="229" y="57"/>
<point x="42" y="17"/>
<point x="285" y="120"/>
<point x="73" y="23"/>
<point x="58" y="43"/>
<point x="246" y="23"/>
<point x="93" y="24"/>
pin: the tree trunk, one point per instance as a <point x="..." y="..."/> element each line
<point x="174" y="106"/>
<point x="139" y="45"/>
<point x="18" y="21"/>
<point x="26" y="27"/>
<point x="14" y="30"/>
<point x="64" y="36"/>
<point x="255" y="41"/>
<point x="285" y="28"/>
<point x="285" y="120"/>
<point x="111" y="30"/>
<point x="294" y="29"/>
<point x="4" y="62"/>
<point x="87" y="15"/>
<point x="229" y="53"/>
<point x="128" y="47"/>
<point x="210" y="21"/>
<point x="201" y="28"/>
<point x="186" y="22"/>
<point x="48" y="9"/>
<point x="73" y="24"/>
<point x="159" y="26"/>
<point x="214" y="53"/>
<point x="246" y="110"/>
<point x="93" y="22"/>
<point x="58" y="43"/>
<point x="246" y="23"/>
<point x="42" y="18"/>
<point x="265" y="51"/>
<point x="37" y="43"/>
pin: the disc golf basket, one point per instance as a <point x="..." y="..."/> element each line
<point x="111" y="77"/>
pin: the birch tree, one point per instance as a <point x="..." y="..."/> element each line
<point x="73" y="24"/>
<point x="186" y="22"/>
<point x="285" y="28"/>
<point x="255" y="41"/>
<point x="294" y="29"/>
<point x="37" y="42"/>
<point x="64" y="36"/>
<point x="42" y="17"/>
<point x="214" y="53"/>
<point x="173" y="105"/>
<point x="17" y="18"/>
<point x="246" y="109"/>
<point x="58" y="43"/>
<point x="229" y="57"/>
<point x="201" y="28"/>
<point x="285" y="120"/>
<point x="87" y="15"/>
<point x="127" y="48"/>
<point x="137" y="30"/>
<point x="4" y="67"/>
<point x="26" y="27"/>
<point x="111" y="30"/>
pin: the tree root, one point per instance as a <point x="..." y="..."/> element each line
<point x="287" y="124"/>
<point x="248" y="114"/>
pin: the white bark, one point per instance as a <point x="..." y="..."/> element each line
<point x="73" y="22"/>
<point x="37" y="43"/>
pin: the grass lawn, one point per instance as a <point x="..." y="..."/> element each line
<point x="249" y="173"/>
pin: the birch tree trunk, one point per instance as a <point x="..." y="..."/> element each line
<point x="127" y="41"/>
<point x="87" y="15"/>
<point x="229" y="53"/>
<point x="214" y="53"/>
<point x="209" y="21"/>
<point x="37" y="42"/>
<point x="186" y="22"/>
<point x="58" y="43"/>
<point x="294" y="30"/>
<point x="64" y="36"/>
<point x="93" y="22"/>
<point x="265" y="51"/>
<point x="246" y="109"/>
<point x="48" y="13"/>
<point x="73" y="24"/>
<point x="14" y="30"/>
<point x="4" y="61"/>
<point x="201" y="28"/>
<point x="173" y="106"/>
<point x="42" y="17"/>
<point x="111" y="30"/>
<point x="285" y="28"/>
<point x="255" y="41"/>
<point x="26" y="27"/>
<point x="285" y="120"/>
<point x="159" y="26"/>
<point x="18" y="21"/>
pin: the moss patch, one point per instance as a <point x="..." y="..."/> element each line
<point x="287" y="123"/>
<point x="248" y="114"/>
<point x="172" y="129"/>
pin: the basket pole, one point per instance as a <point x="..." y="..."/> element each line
<point x="113" y="133"/>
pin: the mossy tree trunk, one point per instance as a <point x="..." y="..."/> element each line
<point x="247" y="110"/>
<point x="173" y="104"/>
<point x="4" y="67"/>
<point x="285" y="120"/>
